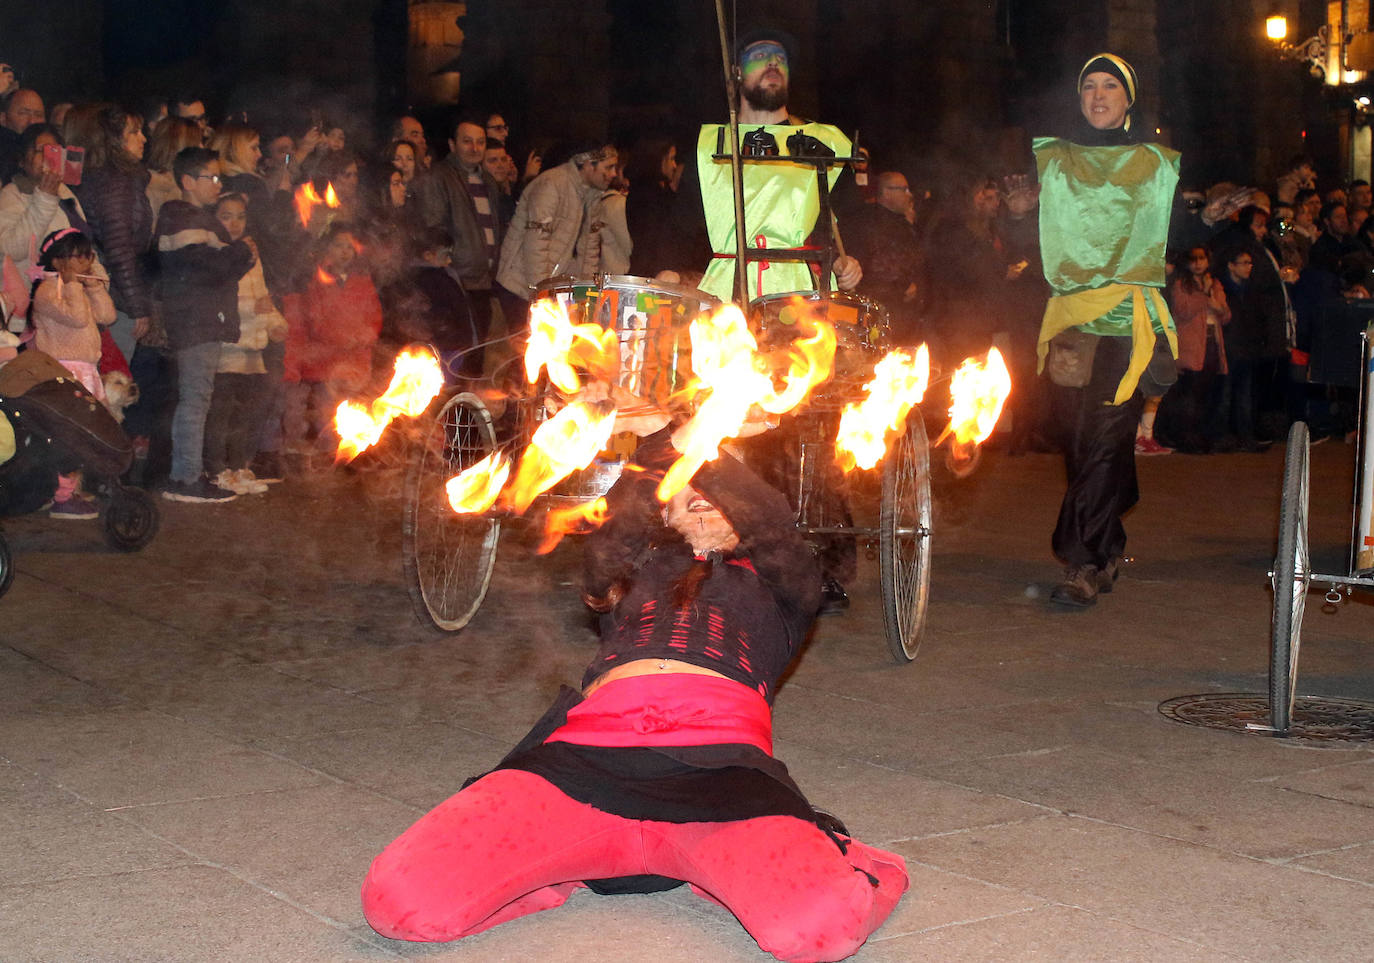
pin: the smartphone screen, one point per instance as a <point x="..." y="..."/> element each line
<point x="75" y="161"/>
<point x="52" y="158"/>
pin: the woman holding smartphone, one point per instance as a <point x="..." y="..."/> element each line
<point x="37" y="203"/>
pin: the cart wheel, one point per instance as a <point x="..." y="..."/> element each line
<point x="6" y="565"/>
<point x="130" y="519"/>
<point x="447" y="557"/>
<point x="904" y="539"/>
<point x="1292" y="569"/>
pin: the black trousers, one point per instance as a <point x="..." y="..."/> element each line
<point x="1098" y="439"/>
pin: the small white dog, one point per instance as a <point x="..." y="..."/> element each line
<point x="120" y="393"/>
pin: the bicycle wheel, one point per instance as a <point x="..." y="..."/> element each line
<point x="904" y="530"/>
<point x="1292" y="569"/>
<point x="448" y="557"/>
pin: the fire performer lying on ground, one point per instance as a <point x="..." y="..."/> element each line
<point x="661" y="770"/>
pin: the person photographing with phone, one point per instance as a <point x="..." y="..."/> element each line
<point x="38" y="202"/>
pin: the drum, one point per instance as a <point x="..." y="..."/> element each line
<point x="862" y="332"/>
<point x="651" y="319"/>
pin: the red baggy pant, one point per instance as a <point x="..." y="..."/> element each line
<point x="512" y="844"/>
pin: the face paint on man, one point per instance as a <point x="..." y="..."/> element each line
<point x="764" y="75"/>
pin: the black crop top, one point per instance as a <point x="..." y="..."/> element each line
<point x="750" y="614"/>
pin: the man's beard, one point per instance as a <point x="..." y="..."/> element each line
<point x="761" y="99"/>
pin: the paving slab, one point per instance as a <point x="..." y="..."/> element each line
<point x="1051" y="933"/>
<point x="1255" y="819"/>
<point x="310" y="846"/>
<point x="126" y="757"/>
<point x="47" y="833"/>
<point x="1227" y="903"/>
<point x="189" y="914"/>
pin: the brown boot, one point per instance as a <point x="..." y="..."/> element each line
<point x="1079" y="588"/>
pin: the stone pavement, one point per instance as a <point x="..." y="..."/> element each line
<point x="203" y="745"/>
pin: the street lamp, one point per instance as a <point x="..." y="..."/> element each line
<point x="1312" y="51"/>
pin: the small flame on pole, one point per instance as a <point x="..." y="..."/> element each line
<point x="977" y="393"/>
<point x="736" y="379"/>
<point x="899" y="383"/>
<point x="416" y="381"/>
<point x="566" y="521"/>
<point x="560" y="347"/>
<point x="477" y="487"/>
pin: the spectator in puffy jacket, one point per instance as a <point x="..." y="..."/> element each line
<point x="112" y="193"/>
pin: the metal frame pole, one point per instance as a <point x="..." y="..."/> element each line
<point x="732" y="83"/>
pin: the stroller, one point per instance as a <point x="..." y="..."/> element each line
<point x="50" y="425"/>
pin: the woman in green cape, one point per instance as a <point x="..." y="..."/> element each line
<point x="1105" y="201"/>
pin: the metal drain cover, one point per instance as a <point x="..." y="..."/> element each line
<point x="1315" y="718"/>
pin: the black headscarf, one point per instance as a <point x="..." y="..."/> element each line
<point x="1089" y="135"/>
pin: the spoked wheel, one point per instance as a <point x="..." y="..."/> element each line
<point x="130" y="519"/>
<point x="904" y="529"/>
<point x="1292" y="571"/>
<point x="448" y="557"/>
<point x="6" y="565"/>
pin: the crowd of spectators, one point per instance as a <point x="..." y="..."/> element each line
<point x="259" y="275"/>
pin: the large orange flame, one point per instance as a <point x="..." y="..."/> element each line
<point x="307" y="199"/>
<point x="728" y="368"/>
<point x="898" y="385"/>
<point x="562" y="445"/>
<point x="560" y="346"/>
<point x="418" y="378"/>
<point x="977" y="393"/>
<point x="478" y="486"/>
<point x="567" y="521"/>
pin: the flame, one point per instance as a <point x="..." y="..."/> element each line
<point x="977" y="393"/>
<point x="478" y="486"/>
<point x="558" y="345"/>
<point x="564" y="521"/>
<point x="563" y="444"/>
<point x="415" y="383"/>
<point x="324" y="277"/>
<point x="307" y="199"/>
<point x="728" y="366"/>
<point x="898" y="385"/>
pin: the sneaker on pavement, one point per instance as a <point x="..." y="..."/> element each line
<point x="1148" y="446"/>
<point x="201" y="490"/>
<point x="76" y="508"/>
<point x="1079" y="588"/>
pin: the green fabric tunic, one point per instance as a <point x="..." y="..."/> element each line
<point x="1104" y="219"/>
<point x="781" y="203"/>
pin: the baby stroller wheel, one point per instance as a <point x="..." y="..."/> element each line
<point x="6" y="565"/>
<point x="130" y="519"/>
